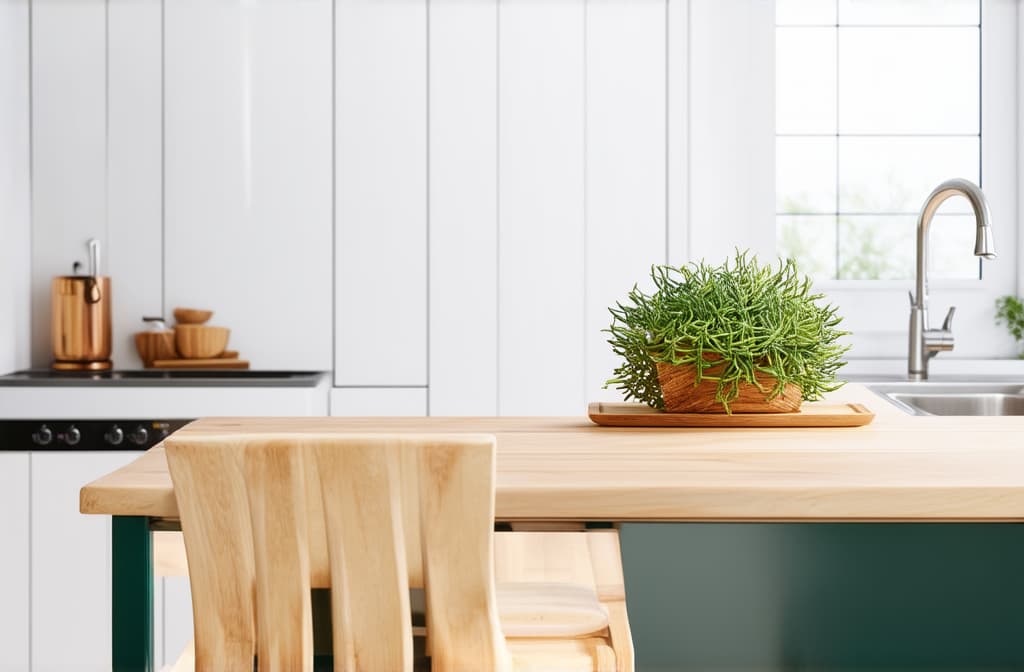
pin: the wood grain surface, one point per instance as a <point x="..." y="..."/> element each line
<point x="642" y="415"/>
<point x="900" y="467"/>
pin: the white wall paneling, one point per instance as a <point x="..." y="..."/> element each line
<point x="463" y="207"/>
<point x="1019" y="164"/>
<point x="379" y="401"/>
<point x="15" y="194"/>
<point x="247" y="141"/>
<point x="134" y="255"/>
<point x="625" y="165"/>
<point x="14" y="562"/>
<point x="381" y="192"/>
<point x="564" y="137"/>
<point x="541" y="212"/>
<point x="70" y="600"/>
<point x="69" y="157"/>
<point x="677" y="128"/>
<point x="731" y="75"/>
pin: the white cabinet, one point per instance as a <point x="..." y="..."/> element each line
<point x="14" y="559"/>
<point x="380" y="193"/>
<point x="15" y="194"/>
<point x="199" y="152"/>
<point x="69" y="186"/>
<point x="247" y="173"/>
<point x="70" y="624"/>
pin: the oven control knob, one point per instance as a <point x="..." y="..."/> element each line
<point x="42" y="436"/>
<point x="139" y="436"/>
<point x="72" y="436"/>
<point x="115" y="436"/>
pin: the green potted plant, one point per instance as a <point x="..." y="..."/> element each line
<point x="739" y="337"/>
<point x="1010" y="311"/>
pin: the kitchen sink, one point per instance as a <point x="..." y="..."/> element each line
<point x="928" y="398"/>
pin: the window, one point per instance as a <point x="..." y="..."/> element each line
<point x="877" y="101"/>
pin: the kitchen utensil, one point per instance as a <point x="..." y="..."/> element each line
<point x="80" y="318"/>
<point x="154" y="345"/>
<point x="211" y="363"/>
<point x="192" y="315"/>
<point x="93" y="294"/>
<point x="198" y="341"/>
<point x="156" y="324"/>
<point x="94" y="257"/>
<point x="812" y="415"/>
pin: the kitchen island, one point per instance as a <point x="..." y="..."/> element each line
<point x="899" y="468"/>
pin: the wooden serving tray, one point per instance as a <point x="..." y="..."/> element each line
<point x="214" y="363"/>
<point x="812" y="415"/>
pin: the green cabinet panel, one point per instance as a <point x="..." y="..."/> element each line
<point x="826" y="597"/>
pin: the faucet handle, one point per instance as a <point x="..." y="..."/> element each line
<point x="947" y="324"/>
<point x="910" y="295"/>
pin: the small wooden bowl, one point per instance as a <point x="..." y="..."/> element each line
<point x="153" y="345"/>
<point x="198" y="341"/>
<point x="192" y="315"/>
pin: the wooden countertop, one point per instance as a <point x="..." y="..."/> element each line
<point x="900" y="467"/>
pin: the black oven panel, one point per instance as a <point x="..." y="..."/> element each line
<point x="23" y="435"/>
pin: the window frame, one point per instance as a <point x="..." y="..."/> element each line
<point x="721" y="170"/>
<point x="877" y="311"/>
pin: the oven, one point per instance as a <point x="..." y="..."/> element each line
<point x="61" y="430"/>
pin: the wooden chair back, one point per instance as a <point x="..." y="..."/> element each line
<point x="249" y="504"/>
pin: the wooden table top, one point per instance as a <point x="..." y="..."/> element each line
<point x="900" y="467"/>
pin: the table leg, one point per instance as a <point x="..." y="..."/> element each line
<point x="132" y="606"/>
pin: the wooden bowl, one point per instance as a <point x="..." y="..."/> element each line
<point x="154" y="345"/>
<point x="192" y="315"/>
<point x="198" y="341"/>
<point x="682" y="394"/>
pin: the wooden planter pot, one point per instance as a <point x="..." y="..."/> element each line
<point x="682" y="394"/>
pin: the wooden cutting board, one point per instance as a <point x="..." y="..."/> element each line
<point x="214" y="363"/>
<point x="811" y="415"/>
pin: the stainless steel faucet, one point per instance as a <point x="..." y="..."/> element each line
<point x="925" y="343"/>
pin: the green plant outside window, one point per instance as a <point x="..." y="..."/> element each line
<point x="1010" y="311"/>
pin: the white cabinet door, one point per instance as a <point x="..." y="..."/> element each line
<point x="541" y="196"/>
<point x="14" y="595"/>
<point x="69" y="154"/>
<point x="625" y="167"/>
<point x="247" y="173"/>
<point x="463" y="284"/>
<point x="15" y="192"/>
<point x="380" y="193"/>
<point x="70" y="564"/>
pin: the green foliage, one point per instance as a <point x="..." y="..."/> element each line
<point x="1010" y="311"/>
<point x="756" y="319"/>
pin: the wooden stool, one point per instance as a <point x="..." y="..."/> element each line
<point x="250" y="507"/>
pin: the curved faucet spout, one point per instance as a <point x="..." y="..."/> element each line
<point x="984" y="246"/>
<point x="925" y="343"/>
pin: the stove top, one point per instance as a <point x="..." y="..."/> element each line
<point x="161" y="378"/>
